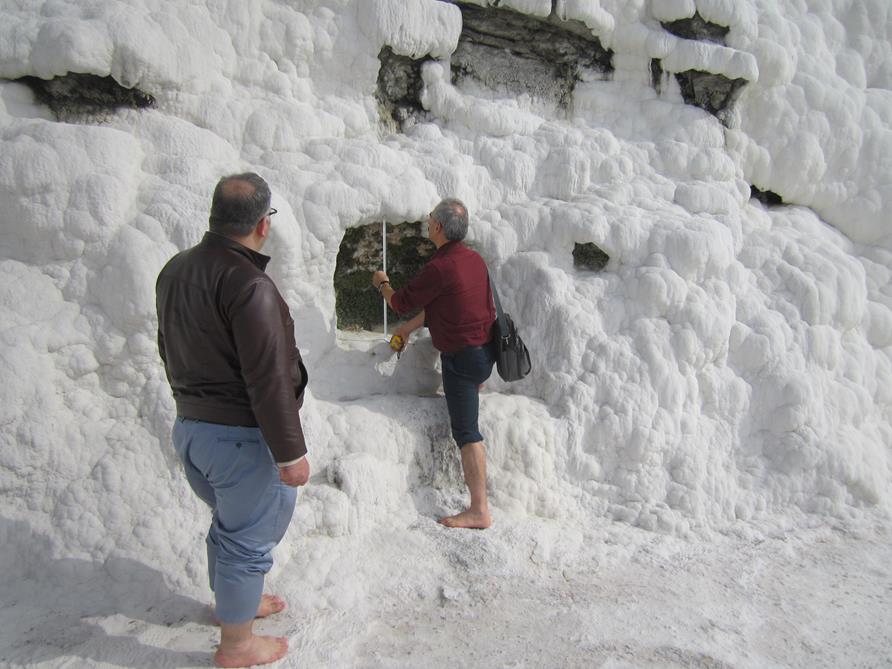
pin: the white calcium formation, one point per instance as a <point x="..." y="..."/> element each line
<point x="732" y="362"/>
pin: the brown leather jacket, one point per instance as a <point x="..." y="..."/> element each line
<point x="227" y="341"/>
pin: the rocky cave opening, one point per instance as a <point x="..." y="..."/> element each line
<point x="358" y="306"/>
<point x="79" y="96"/>
<point x="502" y="51"/>
<point x="515" y="54"/>
<point x="714" y="93"/>
<point x="399" y="88"/>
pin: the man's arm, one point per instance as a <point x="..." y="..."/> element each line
<point x="265" y="356"/>
<point x="161" y="350"/>
<point x="421" y="290"/>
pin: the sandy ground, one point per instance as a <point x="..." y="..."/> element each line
<point x="508" y="597"/>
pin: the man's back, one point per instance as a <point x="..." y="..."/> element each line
<point x="453" y="288"/>
<point x="227" y="341"/>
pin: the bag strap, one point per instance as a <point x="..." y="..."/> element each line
<point x="500" y="315"/>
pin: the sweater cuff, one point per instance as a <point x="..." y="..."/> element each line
<point x="282" y="465"/>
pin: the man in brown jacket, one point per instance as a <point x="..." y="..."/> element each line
<point x="227" y="341"/>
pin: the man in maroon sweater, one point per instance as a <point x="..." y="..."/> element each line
<point x="452" y="291"/>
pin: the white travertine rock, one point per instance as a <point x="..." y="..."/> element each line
<point x="600" y="21"/>
<point x="412" y="28"/>
<point x="729" y="369"/>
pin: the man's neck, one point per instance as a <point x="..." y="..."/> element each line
<point x="252" y="242"/>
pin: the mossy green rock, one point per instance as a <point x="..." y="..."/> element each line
<point x="358" y="305"/>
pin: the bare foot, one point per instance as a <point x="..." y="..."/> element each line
<point x="256" y="650"/>
<point x="269" y="604"/>
<point x="469" y="520"/>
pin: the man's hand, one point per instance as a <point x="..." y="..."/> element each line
<point x="379" y="277"/>
<point x="404" y="331"/>
<point x="297" y="474"/>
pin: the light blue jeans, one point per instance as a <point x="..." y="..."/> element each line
<point x="232" y="470"/>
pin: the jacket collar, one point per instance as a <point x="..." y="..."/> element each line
<point x="216" y="239"/>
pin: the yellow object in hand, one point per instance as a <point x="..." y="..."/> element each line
<point x="396" y="343"/>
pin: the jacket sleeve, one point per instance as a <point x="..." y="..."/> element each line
<point x="267" y="357"/>
<point x="421" y="290"/>
<point x="161" y="351"/>
<point x="158" y="301"/>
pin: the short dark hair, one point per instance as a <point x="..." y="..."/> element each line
<point x="240" y="201"/>
<point x="452" y="214"/>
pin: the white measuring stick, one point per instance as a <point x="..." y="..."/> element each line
<point x="384" y="246"/>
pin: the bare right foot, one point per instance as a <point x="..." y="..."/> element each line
<point x="256" y="650"/>
<point x="471" y="520"/>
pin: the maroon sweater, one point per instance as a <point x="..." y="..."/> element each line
<point x="453" y="289"/>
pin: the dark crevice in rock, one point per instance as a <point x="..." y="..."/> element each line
<point x="715" y="93"/>
<point x="656" y="74"/>
<point x="766" y="197"/>
<point x="399" y="87"/>
<point x="76" y="96"/>
<point x="358" y="306"/>
<point x="697" y="28"/>
<point x="504" y="51"/>
<point x="589" y="256"/>
<point x="509" y="74"/>
<point x="548" y="40"/>
<point x="514" y="53"/>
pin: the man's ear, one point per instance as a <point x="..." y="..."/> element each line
<point x="263" y="227"/>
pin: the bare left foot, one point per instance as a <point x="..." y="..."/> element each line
<point x="471" y="520"/>
<point x="269" y="604"/>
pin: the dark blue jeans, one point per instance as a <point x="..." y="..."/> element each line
<point x="463" y="372"/>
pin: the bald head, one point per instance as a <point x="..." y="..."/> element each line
<point x="453" y="216"/>
<point x="237" y="187"/>
<point x="240" y="202"/>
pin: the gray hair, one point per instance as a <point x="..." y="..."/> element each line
<point x="452" y="214"/>
<point x="240" y="201"/>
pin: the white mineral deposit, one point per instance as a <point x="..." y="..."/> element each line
<point x="698" y="470"/>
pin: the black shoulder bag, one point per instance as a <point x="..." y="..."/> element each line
<point x="512" y="357"/>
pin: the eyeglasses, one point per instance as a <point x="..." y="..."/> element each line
<point x="272" y="211"/>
